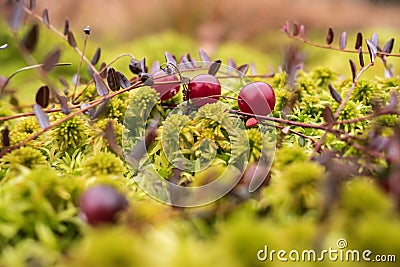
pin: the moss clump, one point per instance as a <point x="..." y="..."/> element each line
<point x="27" y="157"/>
<point x="70" y="134"/>
<point x="103" y="163"/>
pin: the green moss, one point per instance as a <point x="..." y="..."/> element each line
<point x="27" y="157"/>
<point x="103" y="163"/>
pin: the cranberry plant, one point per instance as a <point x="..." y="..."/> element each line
<point x="75" y="162"/>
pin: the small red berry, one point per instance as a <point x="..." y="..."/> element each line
<point x="257" y="98"/>
<point x="204" y="86"/>
<point x="100" y="204"/>
<point x="168" y="85"/>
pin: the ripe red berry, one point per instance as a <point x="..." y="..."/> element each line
<point x="203" y="86"/>
<point x="170" y="87"/>
<point x="100" y="204"/>
<point x="257" y="98"/>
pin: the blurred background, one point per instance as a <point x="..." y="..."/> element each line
<point x="244" y="30"/>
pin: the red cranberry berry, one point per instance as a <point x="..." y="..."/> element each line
<point x="101" y="203"/>
<point x="204" y="86"/>
<point x="257" y="98"/>
<point x="168" y="85"/>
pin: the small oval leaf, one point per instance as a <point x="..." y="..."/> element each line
<point x="329" y="36"/>
<point x="101" y="87"/>
<point x="372" y="49"/>
<point x="103" y="70"/>
<point x="353" y="69"/>
<point x="303" y="32"/>
<point x="155" y="67"/>
<point x="231" y="65"/>
<point x="71" y="39"/>
<point x="169" y="58"/>
<point x="328" y="115"/>
<point x="204" y="56"/>
<point x="361" y="57"/>
<point x="335" y="95"/>
<point x="51" y="59"/>
<point x="43" y="96"/>
<point x="243" y="69"/>
<point x="99" y="110"/>
<point x="5" y="137"/>
<point x="123" y="81"/>
<point x="30" y="40"/>
<point x="41" y="117"/>
<point x="110" y="136"/>
<point x="3" y="46"/>
<point x="343" y="40"/>
<point x="214" y="67"/>
<point x="66" y="27"/>
<point x="375" y="39"/>
<point x="32" y="4"/>
<point x="359" y="40"/>
<point x="296" y="28"/>
<point x="17" y="15"/>
<point x="96" y="56"/>
<point x="45" y="17"/>
<point x="389" y="46"/>
<point x="112" y="79"/>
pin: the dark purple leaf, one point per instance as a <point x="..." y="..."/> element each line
<point x="51" y="59"/>
<point x="192" y="60"/>
<point x="361" y="57"/>
<point x="372" y="49"/>
<point x="353" y="69"/>
<point x="101" y="87"/>
<point x="43" y="96"/>
<point x="359" y="40"/>
<point x="214" y="67"/>
<point x="96" y="56"/>
<point x="143" y="65"/>
<point x="302" y="32"/>
<point x="328" y="115"/>
<point x="375" y="39"/>
<point x="32" y="4"/>
<point x="86" y="111"/>
<point x="343" y="40"/>
<point x="329" y="36"/>
<point x="243" y="69"/>
<point x="135" y="66"/>
<point x="110" y="136"/>
<point x="45" y="17"/>
<point x="123" y="81"/>
<point x="185" y="62"/>
<point x="30" y="40"/>
<point x="169" y="58"/>
<point x="103" y="70"/>
<point x="335" y="94"/>
<point x="5" y="137"/>
<point x="99" y="110"/>
<point x="155" y="67"/>
<point x="90" y="71"/>
<point x="204" y="57"/>
<point x="296" y="28"/>
<point x="71" y="39"/>
<point x="41" y="117"/>
<point x="231" y="65"/>
<point x="146" y="79"/>
<point x="66" y="27"/>
<point x="63" y="100"/>
<point x="17" y="15"/>
<point x="388" y="46"/>
<point x="112" y="79"/>
<point x="87" y="30"/>
<point x="286" y="27"/>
